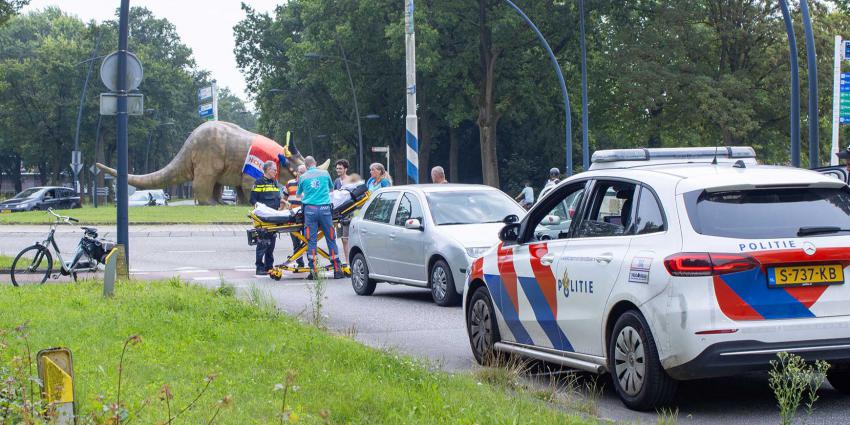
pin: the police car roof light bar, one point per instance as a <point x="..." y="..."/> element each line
<point x="642" y="154"/>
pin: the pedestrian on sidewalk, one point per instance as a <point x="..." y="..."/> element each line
<point x="342" y="167"/>
<point x="527" y="195"/>
<point x="379" y="177"/>
<point x="315" y="187"/>
<point x="438" y="175"/>
<point x="266" y="191"/>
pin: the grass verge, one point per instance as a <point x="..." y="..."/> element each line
<point x="184" y="214"/>
<point x="189" y="333"/>
<point x="6" y="262"/>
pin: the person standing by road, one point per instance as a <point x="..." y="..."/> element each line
<point x="845" y="155"/>
<point x="315" y="187"/>
<point x="554" y="177"/>
<point x="345" y="223"/>
<point x="267" y="192"/>
<point x="379" y="177"/>
<point x="342" y="167"/>
<point x="438" y="175"/>
<point x="527" y="195"/>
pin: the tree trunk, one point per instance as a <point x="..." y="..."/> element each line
<point x="454" y="147"/>
<point x="16" y="173"/>
<point x="488" y="117"/>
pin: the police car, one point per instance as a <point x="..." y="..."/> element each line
<point x="676" y="264"/>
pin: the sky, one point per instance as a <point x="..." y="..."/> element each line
<point x="206" y="26"/>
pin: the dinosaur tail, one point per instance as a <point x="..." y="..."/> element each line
<point x="177" y="171"/>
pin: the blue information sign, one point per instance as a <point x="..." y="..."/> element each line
<point x="206" y="110"/>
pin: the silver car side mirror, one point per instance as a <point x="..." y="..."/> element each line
<point x="413" y="224"/>
<point x="551" y="220"/>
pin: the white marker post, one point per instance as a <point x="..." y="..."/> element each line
<point x="215" y="100"/>
<point x="836" y="98"/>
<point x="412" y="120"/>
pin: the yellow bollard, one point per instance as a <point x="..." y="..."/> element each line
<point x="56" y="371"/>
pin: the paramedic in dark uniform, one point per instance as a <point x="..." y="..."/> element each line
<point x="267" y="192"/>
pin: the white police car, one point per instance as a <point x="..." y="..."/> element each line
<point x="677" y="264"/>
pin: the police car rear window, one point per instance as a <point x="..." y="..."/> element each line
<point x="770" y="213"/>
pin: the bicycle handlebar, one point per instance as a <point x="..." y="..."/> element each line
<point x="64" y="218"/>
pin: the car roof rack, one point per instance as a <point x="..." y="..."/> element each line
<point x="643" y="156"/>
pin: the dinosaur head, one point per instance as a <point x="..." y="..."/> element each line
<point x="293" y="160"/>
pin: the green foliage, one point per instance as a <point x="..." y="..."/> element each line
<point x="191" y="335"/>
<point x="792" y="379"/>
<point x="661" y="73"/>
<point x="8" y="8"/>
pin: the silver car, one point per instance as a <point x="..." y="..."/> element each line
<point x="426" y="236"/>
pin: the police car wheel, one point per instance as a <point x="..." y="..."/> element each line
<point x="443" y="285"/>
<point x="839" y="377"/>
<point x="639" y="379"/>
<point x="360" y="280"/>
<point x="481" y="325"/>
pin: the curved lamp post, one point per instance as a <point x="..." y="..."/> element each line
<point x="567" y="112"/>
<point x="795" y="83"/>
<point x="345" y="60"/>
<point x="811" y="57"/>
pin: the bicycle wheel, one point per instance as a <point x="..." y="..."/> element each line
<point x="32" y="266"/>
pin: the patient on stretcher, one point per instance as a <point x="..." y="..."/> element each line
<point x="342" y="200"/>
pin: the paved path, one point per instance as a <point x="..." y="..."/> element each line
<point x="398" y="317"/>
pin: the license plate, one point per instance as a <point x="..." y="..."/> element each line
<point x="826" y="274"/>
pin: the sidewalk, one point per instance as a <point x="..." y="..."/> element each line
<point x="135" y="229"/>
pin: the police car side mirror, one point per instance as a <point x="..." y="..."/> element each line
<point x="513" y="218"/>
<point x="509" y="233"/>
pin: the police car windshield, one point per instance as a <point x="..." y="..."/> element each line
<point x="471" y="207"/>
<point x="769" y="213"/>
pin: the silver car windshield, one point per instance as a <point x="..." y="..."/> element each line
<point x="471" y="207"/>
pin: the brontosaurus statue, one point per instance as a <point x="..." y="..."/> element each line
<point x="215" y="155"/>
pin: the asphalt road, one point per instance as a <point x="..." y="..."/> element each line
<point x="403" y="319"/>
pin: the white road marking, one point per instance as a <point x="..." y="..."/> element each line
<point x="140" y="273"/>
<point x="205" y="278"/>
<point x="185" y="268"/>
<point x="194" y="271"/>
<point x="190" y="252"/>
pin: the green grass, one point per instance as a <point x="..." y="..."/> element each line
<point x="6" y="262"/>
<point x="188" y="333"/>
<point x="188" y="214"/>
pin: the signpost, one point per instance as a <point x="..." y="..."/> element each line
<point x="208" y="99"/>
<point x="412" y="120"/>
<point x="840" y="95"/>
<point x="385" y="149"/>
<point x="76" y="166"/>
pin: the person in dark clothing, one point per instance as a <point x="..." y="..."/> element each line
<point x="267" y="192"/>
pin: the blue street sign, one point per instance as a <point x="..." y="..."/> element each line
<point x="845" y="87"/>
<point x="847" y="50"/>
<point x="205" y="110"/>
<point x="845" y="77"/>
<point x="844" y="120"/>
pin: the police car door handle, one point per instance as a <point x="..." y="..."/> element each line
<point x="547" y="259"/>
<point x="605" y="258"/>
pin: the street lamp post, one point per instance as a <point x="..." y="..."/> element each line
<point x="121" y="125"/>
<point x="77" y="187"/>
<point x="569" y="123"/>
<point x="353" y="95"/>
<point x="795" y="83"/>
<point x="811" y="57"/>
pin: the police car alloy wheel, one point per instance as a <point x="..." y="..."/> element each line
<point x="638" y="377"/>
<point x="481" y="325"/>
<point x="442" y="285"/>
<point x="360" y="276"/>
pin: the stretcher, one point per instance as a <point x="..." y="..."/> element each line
<point x="270" y="226"/>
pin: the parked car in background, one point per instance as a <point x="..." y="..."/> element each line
<point x="426" y="236"/>
<point x="142" y="198"/>
<point x="42" y="198"/>
<point x="228" y="195"/>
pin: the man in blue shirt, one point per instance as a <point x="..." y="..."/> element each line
<point x="314" y="188"/>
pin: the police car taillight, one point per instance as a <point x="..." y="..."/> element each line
<point x="690" y="264"/>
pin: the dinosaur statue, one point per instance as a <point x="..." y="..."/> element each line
<point x="213" y="156"/>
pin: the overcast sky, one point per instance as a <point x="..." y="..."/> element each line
<point x="206" y="26"/>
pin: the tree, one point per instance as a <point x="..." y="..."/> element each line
<point x="9" y="8"/>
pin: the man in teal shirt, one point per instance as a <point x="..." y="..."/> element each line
<point x="314" y="188"/>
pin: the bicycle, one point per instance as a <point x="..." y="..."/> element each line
<point x="34" y="264"/>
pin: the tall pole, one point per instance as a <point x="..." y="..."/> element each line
<point x="82" y="103"/>
<point x="567" y="113"/>
<point x="411" y="121"/>
<point x="811" y="57"/>
<point x="356" y="109"/>
<point x="795" y="83"/>
<point x="121" y="201"/>
<point x="585" y="147"/>
<point x="836" y="98"/>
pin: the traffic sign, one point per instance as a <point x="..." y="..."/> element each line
<point x="94" y="170"/>
<point x="205" y="93"/>
<point x="206" y="110"/>
<point x="380" y="148"/>
<point x="109" y="72"/>
<point x="846" y="50"/>
<point x="109" y="104"/>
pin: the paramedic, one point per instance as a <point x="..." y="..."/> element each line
<point x="267" y="192"/>
<point x="315" y="188"/>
